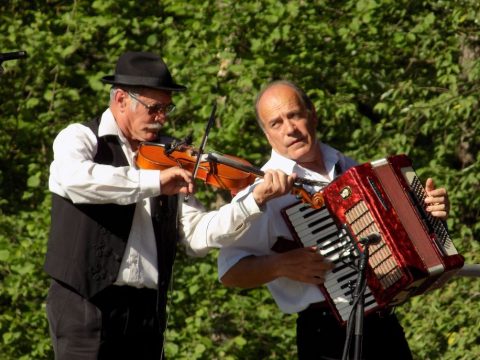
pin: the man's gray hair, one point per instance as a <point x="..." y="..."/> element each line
<point x="129" y="89"/>
<point x="304" y="99"/>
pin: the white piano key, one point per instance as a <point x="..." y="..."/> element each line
<point x="342" y="302"/>
<point x="309" y="215"/>
<point x="298" y="207"/>
<point x="314" y="228"/>
<point x="339" y="289"/>
<point x="343" y="268"/>
<point x="339" y="292"/>
<point x="337" y="252"/>
<point x="318" y="236"/>
<point x="315" y="223"/>
<point x="329" y="241"/>
<point x="333" y="286"/>
<point x="321" y="243"/>
<point x="301" y="213"/>
<point x="344" y="307"/>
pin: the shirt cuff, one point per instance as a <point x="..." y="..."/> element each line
<point x="150" y="182"/>
<point x="249" y="206"/>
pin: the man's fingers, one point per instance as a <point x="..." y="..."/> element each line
<point x="429" y="185"/>
<point x="275" y="183"/>
<point x="435" y="200"/>
<point x="176" y="180"/>
<point x="306" y="265"/>
<point x="281" y="182"/>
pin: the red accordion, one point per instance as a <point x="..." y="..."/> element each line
<point x="415" y="253"/>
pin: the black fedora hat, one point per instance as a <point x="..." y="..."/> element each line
<point x="143" y="69"/>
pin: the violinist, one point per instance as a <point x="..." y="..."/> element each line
<point x="289" y="121"/>
<point x="115" y="227"/>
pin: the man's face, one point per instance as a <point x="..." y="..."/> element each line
<point x="143" y="123"/>
<point x="289" y="127"/>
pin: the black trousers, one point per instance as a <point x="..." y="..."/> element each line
<point x="321" y="337"/>
<point x="120" y="323"/>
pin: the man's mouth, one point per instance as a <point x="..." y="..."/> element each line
<point x="295" y="142"/>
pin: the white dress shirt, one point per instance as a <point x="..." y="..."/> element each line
<point x="75" y="176"/>
<point x="291" y="296"/>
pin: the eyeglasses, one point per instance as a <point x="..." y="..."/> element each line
<point x="155" y="108"/>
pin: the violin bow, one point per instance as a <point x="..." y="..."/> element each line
<point x="315" y="200"/>
<point x="202" y="145"/>
<point x="219" y="158"/>
<point x="204" y="140"/>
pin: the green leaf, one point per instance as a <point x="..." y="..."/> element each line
<point x="4" y="255"/>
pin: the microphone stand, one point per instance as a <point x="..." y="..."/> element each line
<point x="359" y="297"/>
<point x="356" y="317"/>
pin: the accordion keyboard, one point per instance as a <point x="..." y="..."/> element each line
<point x="315" y="227"/>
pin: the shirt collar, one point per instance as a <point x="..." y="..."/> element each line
<point x="108" y="125"/>
<point x="330" y="155"/>
<point x="280" y="162"/>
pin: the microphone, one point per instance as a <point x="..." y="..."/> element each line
<point x="371" y="239"/>
<point x="13" y="55"/>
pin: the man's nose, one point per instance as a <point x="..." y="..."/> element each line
<point x="160" y="117"/>
<point x="289" y="126"/>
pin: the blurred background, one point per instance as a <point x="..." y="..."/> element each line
<point x="386" y="77"/>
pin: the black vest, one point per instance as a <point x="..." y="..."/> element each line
<point x="87" y="241"/>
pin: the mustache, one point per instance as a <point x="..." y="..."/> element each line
<point x="155" y="126"/>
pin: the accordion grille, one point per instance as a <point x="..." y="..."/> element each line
<point x="381" y="260"/>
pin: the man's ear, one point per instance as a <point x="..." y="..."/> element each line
<point x="121" y="100"/>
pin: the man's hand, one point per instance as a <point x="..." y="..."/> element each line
<point x="275" y="183"/>
<point x="176" y="180"/>
<point x="437" y="200"/>
<point x="305" y="265"/>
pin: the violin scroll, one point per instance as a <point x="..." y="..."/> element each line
<point x="315" y="200"/>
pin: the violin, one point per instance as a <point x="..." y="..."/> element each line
<point x="159" y="156"/>
<point x="218" y="170"/>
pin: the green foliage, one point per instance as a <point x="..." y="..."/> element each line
<point x="222" y="323"/>
<point x="386" y="77"/>
<point x="23" y="325"/>
<point x="447" y="318"/>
